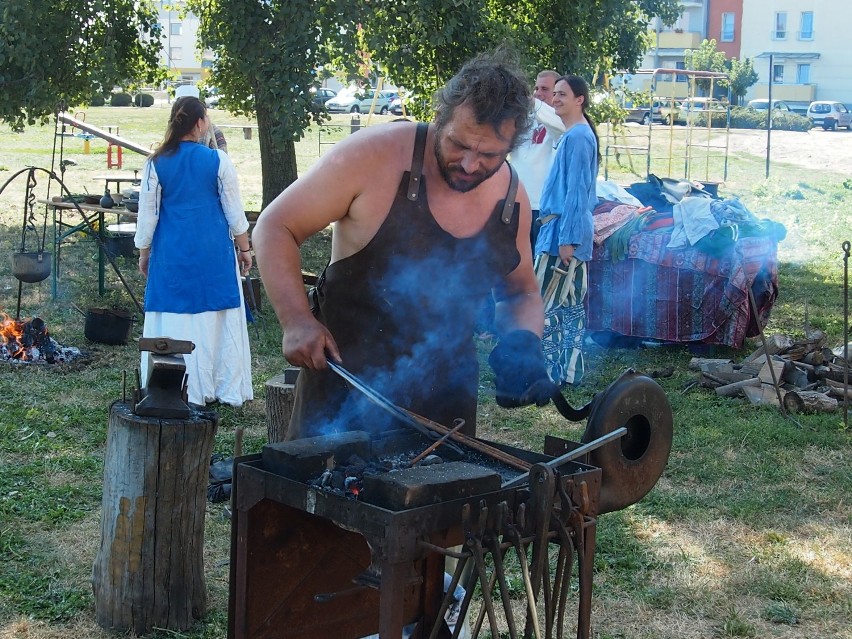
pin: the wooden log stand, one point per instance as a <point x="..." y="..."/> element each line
<point x="149" y="569"/>
<point x="280" y="396"/>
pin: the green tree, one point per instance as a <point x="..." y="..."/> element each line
<point x="742" y="76"/>
<point x="267" y="56"/>
<point x="67" y="51"/>
<point x="422" y="43"/>
<point x="267" y="53"/>
<point x="706" y="58"/>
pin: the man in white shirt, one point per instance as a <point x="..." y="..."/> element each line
<point x="534" y="153"/>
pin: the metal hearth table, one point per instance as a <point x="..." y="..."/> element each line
<point x="310" y="564"/>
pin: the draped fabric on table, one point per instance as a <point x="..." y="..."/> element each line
<point x="683" y="296"/>
<point x="640" y="287"/>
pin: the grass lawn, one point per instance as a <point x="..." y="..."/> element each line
<point x="747" y="534"/>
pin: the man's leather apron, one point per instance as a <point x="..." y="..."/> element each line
<point x="402" y="311"/>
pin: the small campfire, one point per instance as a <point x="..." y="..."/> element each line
<point x="29" y="341"/>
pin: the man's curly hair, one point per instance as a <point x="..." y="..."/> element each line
<point x="494" y="87"/>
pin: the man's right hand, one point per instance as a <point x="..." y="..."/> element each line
<point x="309" y="344"/>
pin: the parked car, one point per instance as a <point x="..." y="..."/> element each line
<point x="212" y="99"/>
<point x="351" y="100"/>
<point x="690" y="109"/>
<point x="763" y="105"/>
<point x="322" y="95"/>
<point x="646" y="113"/>
<point x="670" y="111"/>
<point x="829" y="115"/>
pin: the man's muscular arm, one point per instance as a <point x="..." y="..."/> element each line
<point x="324" y="195"/>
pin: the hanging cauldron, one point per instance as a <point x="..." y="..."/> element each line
<point x="31" y="267"/>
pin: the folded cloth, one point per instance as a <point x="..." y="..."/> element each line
<point x="608" y="223"/>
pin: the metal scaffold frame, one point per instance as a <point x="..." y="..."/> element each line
<point x="698" y="141"/>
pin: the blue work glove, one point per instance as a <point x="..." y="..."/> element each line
<point x="522" y="377"/>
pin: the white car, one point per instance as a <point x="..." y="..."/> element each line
<point x="352" y="100"/>
<point x="763" y="105"/>
<point x="829" y="115"/>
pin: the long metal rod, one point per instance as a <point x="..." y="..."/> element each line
<point x="846" y="250"/>
<point x="570" y="455"/>
<point x="426" y="426"/>
<point x="378" y="399"/>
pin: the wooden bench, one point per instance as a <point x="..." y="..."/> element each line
<point x="245" y="127"/>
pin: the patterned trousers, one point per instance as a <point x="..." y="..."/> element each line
<point x="563" y="292"/>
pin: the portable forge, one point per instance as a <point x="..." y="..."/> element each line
<point x="309" y="560"/>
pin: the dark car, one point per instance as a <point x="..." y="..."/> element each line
<point x="322" y="95"/>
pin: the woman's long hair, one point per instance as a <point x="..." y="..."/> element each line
<point x="579" y="87"/>
<point x="186" y="112"/>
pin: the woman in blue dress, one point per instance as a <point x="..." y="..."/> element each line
<point x="564" y="243"/>
<point x="192" y="234"/>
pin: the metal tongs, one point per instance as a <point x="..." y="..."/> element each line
<point x="405" y="416"/>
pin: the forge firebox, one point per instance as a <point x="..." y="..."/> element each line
<point x="311" y="563"/>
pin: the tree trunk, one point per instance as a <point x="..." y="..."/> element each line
<point x="280" y="396"/>
<point x="149" y="570"/>
<point x="277" y="162"/>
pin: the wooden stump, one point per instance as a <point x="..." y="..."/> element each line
<point x="149" y="569"/>
<point x="280" y="396"/>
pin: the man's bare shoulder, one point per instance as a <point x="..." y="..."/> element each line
<point x="378" y="147"/>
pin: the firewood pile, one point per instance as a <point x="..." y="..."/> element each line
<point x="810" y="377"/>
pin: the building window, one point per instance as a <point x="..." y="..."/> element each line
<point x="176" y="28"/>
<point x="679" y="77"/>
<point x="176" y="53"/>
<point x="803" y="74"/>
<point x="778" y="73"/>
<point x="727" y="34"/>
<point x="780" y="32"/>
<point x="806" y="32"/>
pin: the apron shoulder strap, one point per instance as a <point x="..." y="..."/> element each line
<point x="417" y="161"/>
<point x="509" y="202"/>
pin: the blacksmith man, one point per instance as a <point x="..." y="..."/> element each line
<point x="422" y="234"/>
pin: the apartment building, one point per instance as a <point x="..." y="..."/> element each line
<point x="180" y="35"/>
<point x="668" y="45"/>
<point x="724" y="25"/>
<point x="801" y="46"/>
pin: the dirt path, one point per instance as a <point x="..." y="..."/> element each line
<point x="815" y="149"/>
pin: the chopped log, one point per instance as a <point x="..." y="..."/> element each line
<point x="765" y="395"/>
<point x="732" y="390"/>
<point x="707" y="364"/>
<point x="809" y="402"/>
<point x="149" y="569"/>
<point x="837" y="389"/>
<point x="735" y="376"/>
<point x="708" y="380"/>
<point x="751" y="368"/>
<point x="766" y="375"/>
<point x="814" y="358"/>
<point x="774" y="344"/>
<point x="795" y="376"/>
<point x="280" y="397"/>
<point x="838" y="351"/>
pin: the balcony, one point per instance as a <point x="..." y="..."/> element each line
<point x="675" y="40"/>
<point x="786" y="92"/>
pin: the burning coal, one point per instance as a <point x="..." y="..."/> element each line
<point x="29" y="341"/>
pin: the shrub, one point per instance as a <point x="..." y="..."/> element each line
<point x="120" y="99"/>
<point x="97" y="100"/>
<point x="746" y="118"/>
<point x="143" y="100"/>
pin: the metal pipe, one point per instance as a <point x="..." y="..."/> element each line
<point x="570" y="455"/>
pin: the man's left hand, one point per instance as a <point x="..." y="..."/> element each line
<point x="521" y="376"/>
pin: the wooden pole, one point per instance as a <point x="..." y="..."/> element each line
<point x="149" y="569"/>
